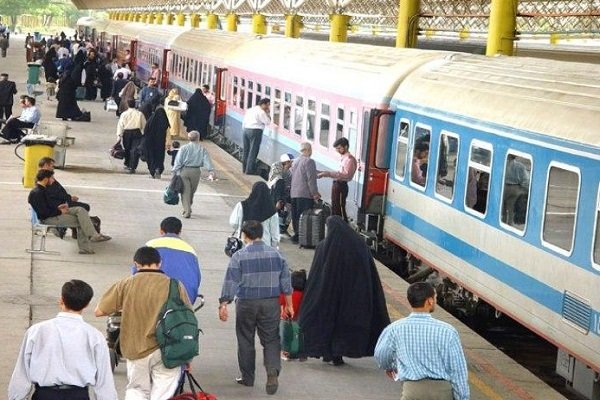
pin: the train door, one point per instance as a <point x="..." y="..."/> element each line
<point x="164" y="73"/>
<point x="377" y="136"/>
<point x="133" y="49"/>
<point x="220" y="96"/>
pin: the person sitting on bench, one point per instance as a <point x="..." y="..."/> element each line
<point x="63" y="215"/>
<point x="29" y="118"/>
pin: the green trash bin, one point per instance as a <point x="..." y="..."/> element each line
<point x="37" y="36"/>
<point x="33" y="73"/>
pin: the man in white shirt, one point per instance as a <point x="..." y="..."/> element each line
<point x="256" y="119"/>
<point x="60" y="371"/>
<point x="29" y="118"/>
<point x="130" y="129"/>
<point x="124" y="69"/>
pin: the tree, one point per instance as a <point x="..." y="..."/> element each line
<point x="14" y="8"/>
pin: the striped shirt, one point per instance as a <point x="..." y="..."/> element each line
<point x="421" y="347"/>
<point x="257" y="271"/>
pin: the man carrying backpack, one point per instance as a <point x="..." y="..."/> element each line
<point x="142" y="298"/>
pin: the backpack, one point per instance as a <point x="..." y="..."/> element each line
<point x="176" y="330"/>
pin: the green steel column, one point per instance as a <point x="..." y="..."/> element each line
<point x="232" y="22"/>
<point x="408" y="15"/>
<point x="503" y="22"/>
<point x="293" y="24"/>
<point x="339" y="28"/>
<point x="212" y="21"/>
<point x="259" y="24"/>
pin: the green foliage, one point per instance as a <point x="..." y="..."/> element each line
<point x="13" y="8"/>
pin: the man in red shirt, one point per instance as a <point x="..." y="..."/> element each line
<point x="339" y="189"/>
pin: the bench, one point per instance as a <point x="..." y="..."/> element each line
<point x="39" y="229"/>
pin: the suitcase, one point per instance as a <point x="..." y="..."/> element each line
<point x="312" y="226"/>
<point x="291" y="337"/>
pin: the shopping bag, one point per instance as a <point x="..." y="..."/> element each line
<point x="196" y="392"/>
<point x="291" y="337"/>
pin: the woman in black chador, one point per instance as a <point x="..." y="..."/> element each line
<point x="155" y="136"/>
<point x="198" y="114"/>
<point x="67" y="107"/>
<point x="343" y="310"/>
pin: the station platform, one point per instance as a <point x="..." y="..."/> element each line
<point x="131" y="209"/>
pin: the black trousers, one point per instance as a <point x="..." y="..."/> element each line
<point x="12" y="129"/>
<point x="50" y="393"/>
<point x="252" y="140"/>
<point x="339" y="193"/>
<point x="131" y="142"/>
<point x="257" y="316"/>
<point x="5" y="111"/>
<point x="299" y="205"/>
<point x="91" y="91"/>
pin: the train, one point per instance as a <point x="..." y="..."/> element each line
<point x="493" y="244"/>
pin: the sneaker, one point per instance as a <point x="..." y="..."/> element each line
<point x="86" y="252"/>
<point x="241" y="381"/>
<point x="100" y="238"/>
<point x="272" y="381"/>
<point x="157" y="176"/>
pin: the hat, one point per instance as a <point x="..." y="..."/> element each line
<point x="285" y="157"/>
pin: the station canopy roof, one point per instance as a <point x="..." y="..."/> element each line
<point x="102" y="4"/>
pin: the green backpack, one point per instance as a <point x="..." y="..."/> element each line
<point x="177" y="330"/>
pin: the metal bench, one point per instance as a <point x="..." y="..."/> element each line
<point x="39" y="229"/>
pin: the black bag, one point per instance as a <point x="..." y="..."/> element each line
<point x="176" y="184"/>
<point x="117" y="151"/>
<point x="177" y="330"/>
<point x="97" y="223"/>
<point x="233" y="244"/>
<point x="170" y="197"/>
<point x="312" y="225"/>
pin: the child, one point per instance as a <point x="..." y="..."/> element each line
<point x="50" y="88"/>
<point x="298" y="282"/>
<point x="173" y="151"/>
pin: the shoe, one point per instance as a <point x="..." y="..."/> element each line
<point x="241" y="381"/>
<point x="100" y="238"/>
<point x="87" y="252"/>
<point x="272" y="381"/>
<point x="337" y="361"/>
<point x="126" y="168"/>
<point x="187" y="215"/>
<point x="131" y="171"/>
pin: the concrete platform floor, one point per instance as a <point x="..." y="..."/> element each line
<point x="131" y="208"/>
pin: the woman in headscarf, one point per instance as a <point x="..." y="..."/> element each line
<point x="343" y="309"/>
<point x="173" y="115"/>
<point x="77" y="71"/>
<point x="50" y="69"/>
<point x="92" y="68"/>
<point x="198" y="114"/>
<point x="258" y="207"/>
<point x="105" y="75"/>
<point x="129" y="92"/>
<point x="67" y="107"/>
<point x="155" y="134"/>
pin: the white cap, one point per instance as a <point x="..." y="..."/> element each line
<point x="285" y="157"/>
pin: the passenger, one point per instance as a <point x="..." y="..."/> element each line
<point x="280" y="183"/>
<point x="105" y="78"/>
<point x="190" y="159"/>
<point x="255" y="121"/>
<point x="140" y="298"/>
<point x="298" y="279"/>
<point x="343" y="309"/>
<point x="197" y="115"/>
<point x="8" y="89"/>
<point x="339" y="188"/>
<point x="117" y="87"/>
<point x="178" y="258"/>
<point x="63" y="215"/>
<point x="173" y="150"/>
<point x="155" y="134"/>
<point x="171" y="105"/>
<point x="304" y="191"/>
<point x="516" y="183"/>
<point x="257" y="304"/>
<point x="92" y="73"/>
<point x="124" y="70"/>
<point x="4" y="44"/>
<point x="149" y="95"/>
<point x="129" y="129"/>
<point x="60" y="371"/>
<point x="257" y="207"/>
<point x="423" y="353"/>
<point x="210" y="96"/>
<point x="129" y="92"/>
<point x="67" y="107"/>
<point x="471" y="197"/>
<point x="29" y="118"/>
<point x="420" y="155"/>
<point x="155" y="72"/>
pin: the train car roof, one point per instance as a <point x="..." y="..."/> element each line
<point x="212" y="44"/>
<point x="163" y="35"/>
<point x="123" y="28"/>
<point x="553" y="98"/>
<point x="368" y="73"/>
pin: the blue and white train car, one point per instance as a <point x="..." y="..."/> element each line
<point x="538" y="261"/>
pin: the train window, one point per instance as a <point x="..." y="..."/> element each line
<point x="250" y="94"/>
<point x="236" y="91"/>
<point x="352" y="130"/>
<point x="420" y="156"/>
<point x="402" y="148"/>
<point x="311" y="119"/>
<point x="339" y="126"/>
<point x="447" y="163"/>
<point x="258" y="93"/>
<point x="205" y="74"/>
<point x="325" y="123"/>
<point x="299" y="115"/>
<point x="287" y="110"/>
<point x="242" y="91"/>
<point x="515" y="190"/>
<point x="277" y="107"/>
<point x="267" y="91"/>
<point x="596" y="250"/>
<point x="478" y="179"/>
<point x="560" y="211"/>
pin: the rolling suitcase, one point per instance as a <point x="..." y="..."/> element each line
<point x="312" y="225"/>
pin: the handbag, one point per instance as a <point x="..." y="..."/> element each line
<point x="171" y="197"/>
<point x="233" y="244"/>
<point x="110" y="105"/>
<point x="197" y="393"/>
<point x="117" y="151"/>
<point x="176" y="184"/>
